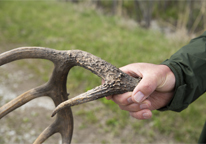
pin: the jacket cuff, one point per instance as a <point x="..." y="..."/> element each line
<point x="177" y="102"/>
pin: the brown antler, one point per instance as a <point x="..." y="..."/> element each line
<point x="116" y="82"/>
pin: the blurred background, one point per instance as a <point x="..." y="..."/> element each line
<point x="120" y="32"/>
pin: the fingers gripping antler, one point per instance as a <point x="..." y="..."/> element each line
<point x="116" y="82"/>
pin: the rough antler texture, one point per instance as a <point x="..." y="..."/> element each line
<point x="116" y="82"/>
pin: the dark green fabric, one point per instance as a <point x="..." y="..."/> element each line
<point x="202" y="138"/>
<point x="189" y="67"/>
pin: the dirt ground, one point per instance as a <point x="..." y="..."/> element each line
<point x="25" y="124"/>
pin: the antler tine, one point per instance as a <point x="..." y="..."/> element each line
<point x="90" y="95"/>
<point x="63" y="125"/>
<point x="20" y="100"/>
<point x="28" y="52"/>
<point x="49" y="131"/>
<point x="93" y="94"/>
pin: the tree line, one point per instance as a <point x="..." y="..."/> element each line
<point x="189" y="14"/>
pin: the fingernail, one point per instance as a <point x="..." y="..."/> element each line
<point x="143" y="106"/>
<point x="146" y="115"/>
<point x="138" y="96"/>
<point x="129" y="100"/>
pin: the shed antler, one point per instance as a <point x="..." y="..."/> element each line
<point x="116" y="82"/>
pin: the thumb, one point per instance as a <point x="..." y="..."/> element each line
<point x="144" y="89"/>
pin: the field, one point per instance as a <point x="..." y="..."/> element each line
<point x="67" y="26"/>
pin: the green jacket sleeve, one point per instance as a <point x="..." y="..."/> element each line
<point x="189" y="67"/>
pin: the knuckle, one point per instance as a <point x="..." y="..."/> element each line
<point x="146" y="103"/>
<point x="123" y="102"/>
<point x="120" y="100"/>
<point x="136" y="117"/>
<point x="125" y="108"/>
<point x="140" y="115"/>
<point x="147" y="86"/>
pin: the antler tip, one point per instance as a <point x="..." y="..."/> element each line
<point x="53" y="113"/>
<point x="58" y="108"/>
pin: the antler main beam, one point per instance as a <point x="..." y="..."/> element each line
<point x="116" y="82"/>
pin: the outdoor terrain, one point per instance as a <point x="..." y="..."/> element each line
<point x="66" y="26"/>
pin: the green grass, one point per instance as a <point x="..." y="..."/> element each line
<point x="64" y="26"/>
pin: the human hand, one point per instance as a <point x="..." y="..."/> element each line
<point x="154" y="91"/>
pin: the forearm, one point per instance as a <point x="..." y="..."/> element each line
<point x="188" y="66"/>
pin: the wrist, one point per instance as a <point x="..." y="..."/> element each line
<point x="167" y="79"/>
